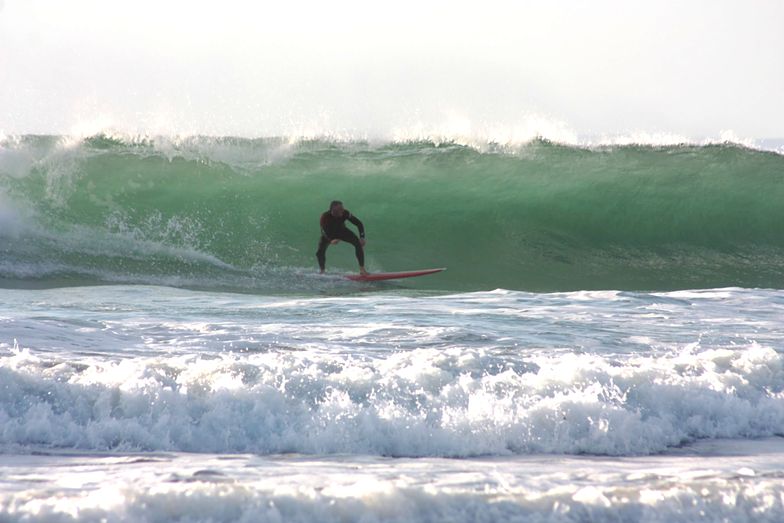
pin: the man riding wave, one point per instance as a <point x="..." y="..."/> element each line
<point x="333" y="229"/>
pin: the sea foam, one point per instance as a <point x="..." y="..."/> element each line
<point x="425" y="402"/>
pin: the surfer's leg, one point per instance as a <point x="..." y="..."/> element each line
<point x="348" y="236"/>
<point x="321" y="253"/>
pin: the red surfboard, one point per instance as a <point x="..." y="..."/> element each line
<point x="380" y="276"/>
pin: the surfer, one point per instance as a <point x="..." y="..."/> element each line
<point x="333" y="229"/>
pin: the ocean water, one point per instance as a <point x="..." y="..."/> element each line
<point x="606" y="344"/>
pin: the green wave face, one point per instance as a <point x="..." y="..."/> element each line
<point x="243" y="214"/>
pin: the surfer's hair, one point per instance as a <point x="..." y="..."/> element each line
<point x="334" y="203"/>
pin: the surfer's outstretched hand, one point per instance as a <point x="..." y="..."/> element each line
<point x="362" y="242"/>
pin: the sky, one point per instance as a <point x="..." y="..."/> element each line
<point x="504" y="70"/>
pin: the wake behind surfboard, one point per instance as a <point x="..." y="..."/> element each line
<point x="381" y="276"/>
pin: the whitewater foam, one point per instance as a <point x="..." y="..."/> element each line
<point x="422" y="403"/>
<point x="255" y="375"/>
<point x="397" y="406"/>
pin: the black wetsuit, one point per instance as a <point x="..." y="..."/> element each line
<point x="333" y="228"/>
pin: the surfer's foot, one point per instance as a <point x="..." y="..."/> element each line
<point x="321" y="271"/>
<point x="363" y="272"/>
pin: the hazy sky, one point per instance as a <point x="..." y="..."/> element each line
<point x="503" y="69"/>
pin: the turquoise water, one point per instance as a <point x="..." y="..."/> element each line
<point x="243" y="214"/>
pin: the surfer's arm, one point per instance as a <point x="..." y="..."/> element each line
<point x="353" y="219"/>
<point x="323" y="224"/>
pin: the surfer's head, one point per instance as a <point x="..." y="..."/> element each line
<point x="336" y="208"/>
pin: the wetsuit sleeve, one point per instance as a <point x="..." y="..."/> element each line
<point x="353" y="219"/>
<point x="323" y="224"/>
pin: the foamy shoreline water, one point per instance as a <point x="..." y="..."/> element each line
<point x="715" y="481"/>
<point x="497" y="373"/>
<point x="143" y="403"/>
